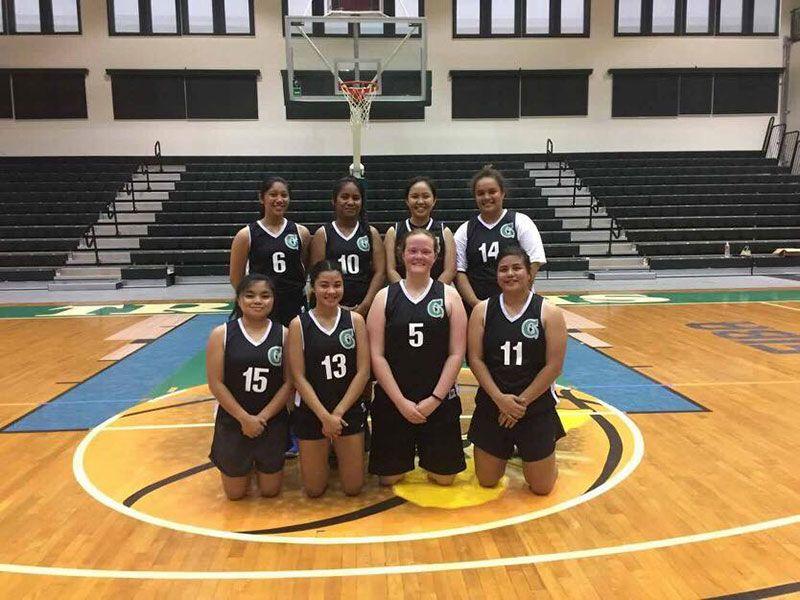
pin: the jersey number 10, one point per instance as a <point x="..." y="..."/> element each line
<point x="350" y="264"/>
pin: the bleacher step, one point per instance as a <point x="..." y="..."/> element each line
<point x="617" y="249"/>
<point x="87" y="272"/>
<point x="110" y="230"/>
<point x="84" y="284"/>
<point x="156" y="176"/>
<point x="597" y="223"/>
<point x="126" y="206"/>
<point x="626" y="274"/>
<point x="568" y="201"/>
<point x="616" y="263"/>
<point x="564" y="191"/>
<point x="133" y="217"/>
<point x="580" y="211"/>
<point x="107" y="257"/>
<point x="113" y="243"/>
<point x="123" y="196"/>
<point x="594" y="235"/>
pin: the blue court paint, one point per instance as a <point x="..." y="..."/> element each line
<point x="124" y="384"/>
<point x="591" y="371"/>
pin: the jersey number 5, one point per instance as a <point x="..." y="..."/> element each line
<point x="255" y="379"/>
<point x="492" y="252"/>
<point x="415" y="335"/>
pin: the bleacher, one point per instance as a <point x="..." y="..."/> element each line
<point x="681" y="209"/>
<point x="215" y="197"/>
<point x="46" y="207"/>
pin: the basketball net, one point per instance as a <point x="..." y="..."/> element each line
<point x="359" y="96"/>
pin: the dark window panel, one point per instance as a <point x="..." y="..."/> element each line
<point x="696" y="94"/>
<point x="148" y="96"/>
<point x="555" y="94"/>
<point x="485" y="94"/>
<point x="5" y="96"/>
<point x="745" y="93"/>
<point x="221" y="97"/>
<point x="49" y="95"/>
<point x="646" y="95"/>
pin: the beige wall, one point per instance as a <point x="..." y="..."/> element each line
<point x="273" y="134"/>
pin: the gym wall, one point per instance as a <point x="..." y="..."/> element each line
<point x="272" y="133"/>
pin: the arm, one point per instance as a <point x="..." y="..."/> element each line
<point x="316" y="250"/>
<point x="391" y="258"/>
<point x="465" y="289"/>
<point x="457" y="349"/>
<point x="215" y="366"/>
<point x="378" y="272"/>
<point x="281" y="397"/>
<point x="555" y="331"/>
<point x="449" y="273"/>
<point x="508" y="404"/>
<point x="297" y="364"/>
<point x="376" y="329"/>
<point x="239" y="250"/>
<point x="531" y="242"/>
<point x="305" y="242"/>
<point x="361" y="378"/>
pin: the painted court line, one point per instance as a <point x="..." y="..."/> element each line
<point x="407" y="569"/>
<point x="781" y="306"/>
<point x="85" y="482"/>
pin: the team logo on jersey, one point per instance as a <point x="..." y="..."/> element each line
<point x="275" y="355"/>
<point x="292" y="241"/>
<point x="507" y="230"/>
<point x="347" y="339"/>
<point x="436" y="308"/>
<point x="363" y="243"/>
<point x="530" y="328"/>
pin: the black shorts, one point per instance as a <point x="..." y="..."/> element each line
<point x="236" y="455"/>
<point x="395" y="441"/>
<point x="306" y="425"/>
<point x="288" y="304"/>
<point x="535" y="435"/>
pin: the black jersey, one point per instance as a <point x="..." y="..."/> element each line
<point x="353" y="254"/>
<point x="253" y="370"/>
<point x="403" y="228"/>
<point x="417" y="341"/>
<point x="483" y="247"/>
<point x="330" y="356"/>
<point x="515" y="351"/>
<point x="278" y="256"/>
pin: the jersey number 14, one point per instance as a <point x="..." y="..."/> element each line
<point x="492" y="251"/>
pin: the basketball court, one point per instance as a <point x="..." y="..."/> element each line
<point x="677" y="475"/>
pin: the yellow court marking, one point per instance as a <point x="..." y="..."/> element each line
<point x="781" y="306"/>
<point x="633" y="455"/>
<point x="465" y="491"/>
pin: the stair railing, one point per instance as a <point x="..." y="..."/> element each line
<point x="111" y="212"/>
<point x="157" y="153"/>
<point x="130" y="189"/>
<point x="775" y="140"/>
<point x="90" y="239"/>
<point x="146" y="172"/>
<point x="614" y="233"/>
<point x="576" y="185"/>
<point x="788" y="148"/>
<point x="767" y="134"/>
<point x="795" y="166"/>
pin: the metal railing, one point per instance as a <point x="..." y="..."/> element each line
<point x="90" y="238"/>
<point x="788" y="148"/>
<point x="157" y="153"/>
<point x="774" y="140"/>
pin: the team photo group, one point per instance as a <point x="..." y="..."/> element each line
<point x="334" y="327"/>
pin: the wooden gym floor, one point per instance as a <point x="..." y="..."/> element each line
<point x="678" y="477"/>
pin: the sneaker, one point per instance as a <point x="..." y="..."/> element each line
<point x="294" y="447"/>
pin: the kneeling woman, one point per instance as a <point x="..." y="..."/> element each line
<point x="329" y="361"/>
<point x="517" y="343"/>
<point x="417" y="335"/>
<point x="245" y="373"/>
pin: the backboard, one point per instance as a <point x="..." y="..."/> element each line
<point x="322" y="51"/>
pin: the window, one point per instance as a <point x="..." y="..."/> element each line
<point x="392" y="8"/>
<point x="40" y="16"/>
<point x="43" y="93"/>
<point x="521" y="18"/>
<point x="673" y="92"/>
<point x="184" y="94"/>
<point x="180" y="17"/>
<point x="695" y="17"/>
<point x="542" y="93"/>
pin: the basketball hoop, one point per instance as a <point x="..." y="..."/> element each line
<point x="359" y="96"/>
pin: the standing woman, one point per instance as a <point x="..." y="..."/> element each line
<point x="420" y="199"/>
<point x="517" y="343"/>
<point x="329" y="361"/>
<point x="275" y="247"/>
<point x="246" y="375"/>
<point x="480" y="240"/>
<point x="417" y="335"/>
<point x="352" y="243"/>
